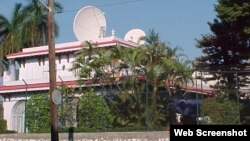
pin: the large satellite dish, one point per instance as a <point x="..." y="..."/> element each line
<point x="89" y="24"/>
<point x="134" y="35"/>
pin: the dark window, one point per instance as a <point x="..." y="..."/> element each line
<point x="68" y="57"/>
<point x="59" y="58"/>
<point x="39" y="61"/>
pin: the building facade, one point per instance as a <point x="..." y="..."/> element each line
<point x="27" y="73"/>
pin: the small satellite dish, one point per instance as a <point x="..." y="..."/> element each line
<point x="56" y="97"/>
<point x="134" y="35"/>
<point x="89" y="24"/>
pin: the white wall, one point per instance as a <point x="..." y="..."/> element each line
<point x="7" y="112"/>
<point x="63" y="68"/>
<point x="32" y="72"/>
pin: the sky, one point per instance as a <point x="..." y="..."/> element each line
<point x="178" y="22"/>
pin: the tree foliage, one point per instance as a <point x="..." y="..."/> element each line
<point x="38" y="113"/>
<point x="38" y="110"/>
<point x="27" y="27"/>
<point x="226" y="47"/>
<point x="35" y="28"/>
<point x="3" y="122"/>
<point x="126" y="73"/>
<point x="93" y="112"/>
<point x="10" y="31"/>
<point x="162" y="66"/>
<point x="68" y="107"/>
<point x="220" y="111"/>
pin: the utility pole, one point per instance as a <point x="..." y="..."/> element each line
<point x="52" y="71"/>
<point x="25" y="104"/>
<point x="197" y="98"/>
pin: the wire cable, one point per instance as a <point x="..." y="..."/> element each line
<point x="105" y="5"/>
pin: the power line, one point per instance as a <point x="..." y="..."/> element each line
<point x="120" y="3"/>
<point x="106" y="5"/>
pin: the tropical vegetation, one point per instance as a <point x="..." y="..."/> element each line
<point x="93" y="112"/>
<point x="68" y="107"/>
<point x="10" y="31"/>
<point x="225" y="56"/>
<point x="225" y="48"/>
<point x="37" y="113"/>
<point x="136" y="85"/>
<point x="131" y="78"/>
<point x="26" y="27"/>
<point x="3" y="122"/>
<point x="227" y="112"/>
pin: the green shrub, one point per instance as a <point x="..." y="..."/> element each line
<point x="219" y="111"/>
<point x="1" y="111"/>
<point x="38" y="113"/>
<point x="93" y="112"/>
<point x="3" y="126"/>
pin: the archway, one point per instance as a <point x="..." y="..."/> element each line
<point x="18" y="116"/>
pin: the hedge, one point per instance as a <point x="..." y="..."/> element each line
<point x="3" y="126"/>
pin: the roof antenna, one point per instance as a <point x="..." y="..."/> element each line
<point x="113" y="32"/>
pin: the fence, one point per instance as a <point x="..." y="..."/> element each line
<point x="129" y="107"/>
<point x="110" y="136"/>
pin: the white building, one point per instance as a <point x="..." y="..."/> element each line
<point x="28" y="73"/>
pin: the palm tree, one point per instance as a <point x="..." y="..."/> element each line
<point x="27" y="27"/>
<point x="176" y="70"/>
<point x="157" y="62"/>
<point x="10" y="31"/>
<point x="154" y="50"/>
<point x="161" y="66"/>
<point x="35" y="28"/>
<point x="106" y="65"/>
<point x="87" y="63"/>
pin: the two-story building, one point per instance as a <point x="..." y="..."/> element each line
<point x="27" y="73"/>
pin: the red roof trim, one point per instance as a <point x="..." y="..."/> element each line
<point x="72" y="83"/>
<point x="189" y="88"/>
<point x="192" y="88"/>
<point x="199" y="90"/>
<point x="37" y="85"/>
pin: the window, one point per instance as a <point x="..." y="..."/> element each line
<point x="17" y="67"/>
<point x="39" y="61"/>
<point x="68" y="57"/>
<point x="59" y="58"/>
<point x="43" y="60"/>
